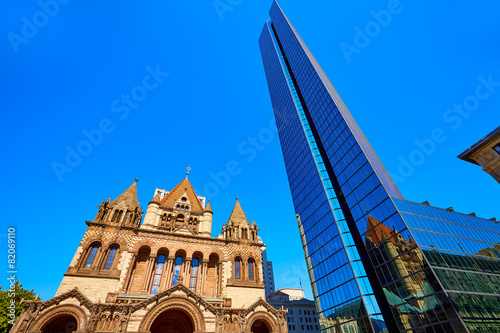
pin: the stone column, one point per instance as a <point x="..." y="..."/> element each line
<point x="126" y="282"/>
<point x="167" y="269"/>
<point x="187" y="270"/>
<point x="170" y="272"/>
<point x="148" y="274"/>
<point x="219" y="280"/>
<point x="203" y="280"/>
<point x="100" y="258"/>
<point x="244" y="271"/>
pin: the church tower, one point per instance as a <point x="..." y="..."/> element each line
<point x="166" y="274"/>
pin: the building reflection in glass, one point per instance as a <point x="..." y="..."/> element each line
<point x="463" y="252"/>
<point x="408" y="283"/>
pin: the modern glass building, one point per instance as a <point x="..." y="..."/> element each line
<point x="377" y="262"/>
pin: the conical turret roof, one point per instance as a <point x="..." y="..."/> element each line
<point x="129" y="197"/>
<point x="237" y="215"/>
<point x="208" y="207"/>
<point x="156" y="199"/>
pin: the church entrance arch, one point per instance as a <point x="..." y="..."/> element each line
<point x="61" y="324"/>
<point x="172" y="321"/>
<point x="259" y="326"/>
<point x="175" y="314"/>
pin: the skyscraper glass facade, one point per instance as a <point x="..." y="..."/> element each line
<point x="377" y="262"/>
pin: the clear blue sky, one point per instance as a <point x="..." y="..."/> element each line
<point x="71" y="71"/>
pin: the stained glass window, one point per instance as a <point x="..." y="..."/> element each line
<point x="158" y="273"/>
<point x="237" y="266"/>
<point x="250" y="270"/>
<point x="177" y="270"/>
<point x="91" y="257"/>
<point x="194" y="274"/>
<point x="111" y="257"/>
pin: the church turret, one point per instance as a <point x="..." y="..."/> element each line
<point x="238" y="227"/>
<point x="103" y="211"/>
<point x="153" y="212"/>
<point x="206" y="222"/>
<point x="124" y="211"/>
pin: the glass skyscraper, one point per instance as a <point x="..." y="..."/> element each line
<point x="377" y="262"/>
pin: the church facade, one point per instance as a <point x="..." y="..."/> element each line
<point x="166" y="275"/>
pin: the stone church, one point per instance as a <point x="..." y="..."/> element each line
<point x="166" y="275"/>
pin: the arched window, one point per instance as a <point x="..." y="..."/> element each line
<point x="163" y="222"/>
<point x="237" y="268"/>
<point x="179" y="220"/>
<point x="194" y="274"/>
<point x="91" y="256"/>
<point x="158" y="272"/>
<point x="119" y="218"/>
<point x="111" y="257"/>
<point x="177" y="270"/>
<point x="244" y="233"/>
<point x="117" y="215"/>
<point x="250" y="270"/>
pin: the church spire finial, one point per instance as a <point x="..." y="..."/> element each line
<point x="188" y="169"/>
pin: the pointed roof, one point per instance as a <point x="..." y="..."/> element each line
<point x="184" y="187"/>
<point x="208" y="207"/>
<point x="237" y="215"/>
<point x="129" y="197"/>
<point x="156" y="199"/>
<point x="379" y="231"/>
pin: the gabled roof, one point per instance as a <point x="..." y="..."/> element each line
<point x="129" y="197"/>
<point x="165" y="294"/>
<point x="73" y="293"/>
<point x="267" y="306"/>
<point x="183" y="187"/>
<point x="237" y="215"/>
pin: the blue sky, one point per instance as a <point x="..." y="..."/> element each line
<point x="200" y="98"/>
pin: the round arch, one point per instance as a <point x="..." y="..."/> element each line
<point x="61" y="317"/>
<point x="172" y="320"/>
<point x="180" y="253"/>
<point x="264" y="318"/>
<point x="198" y="254"/>
<point x="214" y="255"/>
<point x="163" y="250"/>
<point x="178" y="307"/>
<point x="142" y="244"/>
